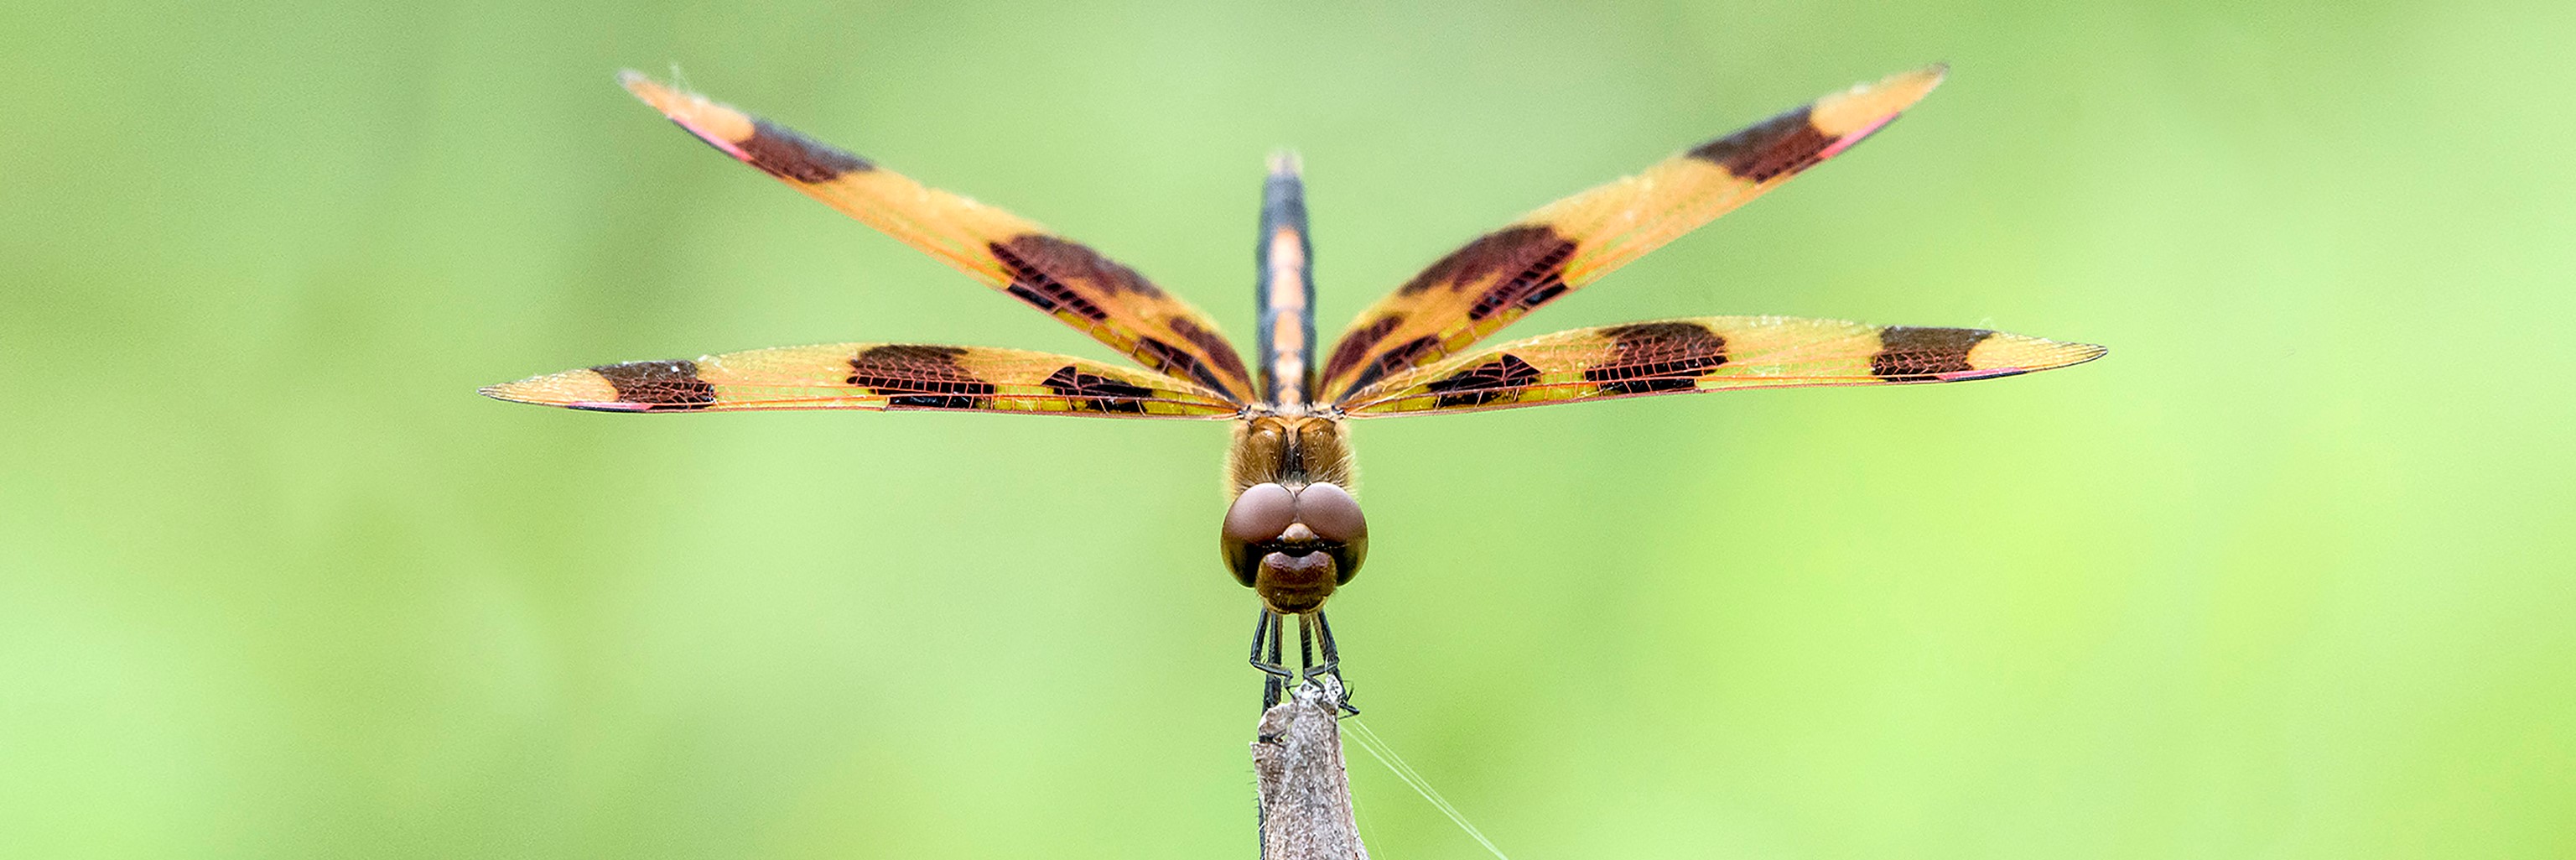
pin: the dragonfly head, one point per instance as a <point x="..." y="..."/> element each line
<point x="1293" y="545"/>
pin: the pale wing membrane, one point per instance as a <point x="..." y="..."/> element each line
<point x="1066" y="279"/>
<point x="1561" y="247"/>
<point x="873" y="376"/>
<point x="1709" y="354"/>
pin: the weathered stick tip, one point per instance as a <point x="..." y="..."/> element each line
<point x="1305" y="791"/>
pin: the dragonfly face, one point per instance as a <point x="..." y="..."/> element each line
<point x="1293" y="532"/>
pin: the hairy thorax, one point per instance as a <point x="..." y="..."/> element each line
<point x="1288" y="449"/>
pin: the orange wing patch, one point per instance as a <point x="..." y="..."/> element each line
<point x="873" y="376"/>
<point x="1561" y="247"/>
<point x="1066" y="279"/>
<point x="1709" y="354"/>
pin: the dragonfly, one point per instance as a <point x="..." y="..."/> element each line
<point x="1294" y="532"/>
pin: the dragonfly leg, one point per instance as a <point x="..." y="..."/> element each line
<point x="1269" y="629"/>
<point x="1314" y="632"/>
<point x="1306" y="644"/>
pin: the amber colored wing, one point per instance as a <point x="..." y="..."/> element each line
<point x="1090" y="292"/>
<point x="1708" y="354"/>
<point x="873" y="376"/>
<point x="1572" y="242"/>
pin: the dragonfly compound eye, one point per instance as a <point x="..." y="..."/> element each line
<point x="1331" y="512"/>
<point x="1259" y="515"/>
<point x="1333" y="516"/>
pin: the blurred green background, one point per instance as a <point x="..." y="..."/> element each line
<point x="2287" y="575"/>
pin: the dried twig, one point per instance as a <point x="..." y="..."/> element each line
<point x="1305" y="795"/>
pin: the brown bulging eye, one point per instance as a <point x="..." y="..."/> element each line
<point x="1258" y="516"/>
<point x="1331" y="512"/>
<point x="1261" y="513"/>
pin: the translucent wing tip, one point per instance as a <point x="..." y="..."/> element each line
<point x="714" y="122"/>
<point x="1910" y="86"/>
<point x="1866" y="106"/>
<point x="582" y="389"/>
<point x="2005" y="354"/>
<point x="653" y="92"/>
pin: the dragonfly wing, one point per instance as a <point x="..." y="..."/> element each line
<point x="1061" y="277"/>
<point x="1507" y="273"/>
<point x="882" y="376"/>
<point x="1708" y="354"/>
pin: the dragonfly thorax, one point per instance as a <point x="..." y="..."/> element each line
<point x="1289" y="449"/>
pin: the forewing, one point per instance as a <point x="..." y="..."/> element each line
<point x="1572" y="242"/>
<point x="1066" y="279"/>
<point x="873" y="376"/>
<point x="1709" y="354"/>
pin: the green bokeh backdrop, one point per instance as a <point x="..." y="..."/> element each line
<point x="2287" y="575"/>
